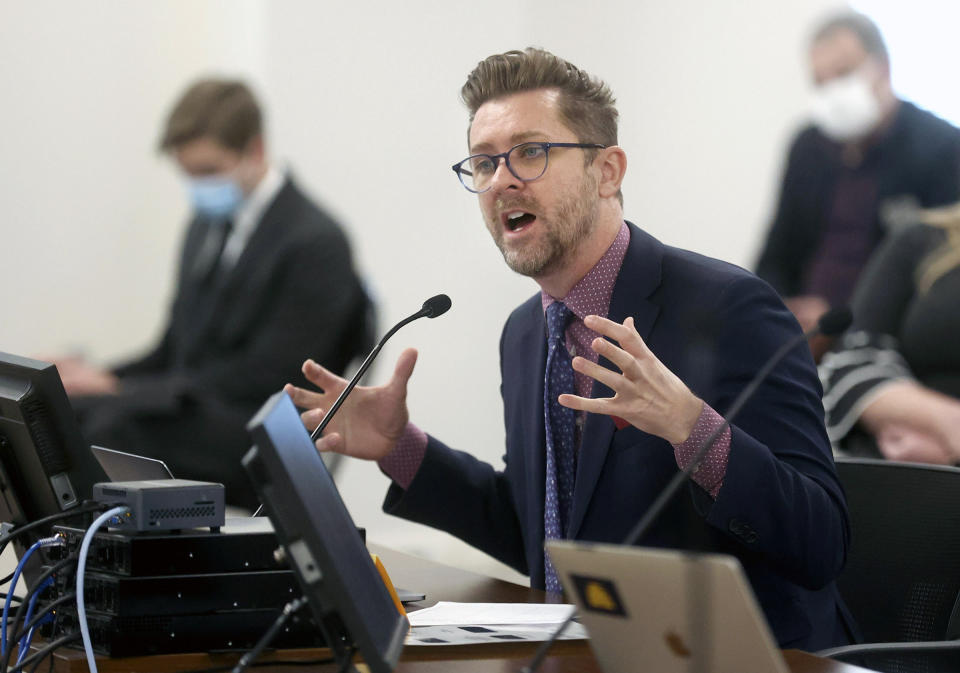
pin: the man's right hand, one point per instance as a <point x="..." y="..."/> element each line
<point x="808" y="309"/>
<point x="371" y="419"/>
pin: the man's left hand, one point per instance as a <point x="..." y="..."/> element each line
<point x="82" y="378"/>
<point x="647" y="394"/>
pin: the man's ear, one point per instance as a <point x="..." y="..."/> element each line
<point x="255" y="147"/>
<point x="612" y="163"/>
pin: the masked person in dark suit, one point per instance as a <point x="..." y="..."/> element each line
<point x="866" y="158"/>
<point x="596" y="427"/>
<point x="265" y="279"/>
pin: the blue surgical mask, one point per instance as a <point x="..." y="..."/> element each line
<point x="214" y="196"/>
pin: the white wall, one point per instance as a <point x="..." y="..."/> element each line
<point x="918" y="34"/>
<point x="363" y="105"/>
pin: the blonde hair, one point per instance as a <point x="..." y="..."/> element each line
<point x="947" y="255"/>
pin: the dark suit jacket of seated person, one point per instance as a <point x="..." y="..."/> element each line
<point x="247" y="311"/>
<point x="917" y="162"/>
<point x="770" y="496"/>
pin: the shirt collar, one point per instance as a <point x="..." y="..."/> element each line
<point x="252" y="208"/>
<point x="250" y="212"/>
<point x="591" y="295"/>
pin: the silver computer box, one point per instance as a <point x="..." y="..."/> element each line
<point x="163" y="504"/>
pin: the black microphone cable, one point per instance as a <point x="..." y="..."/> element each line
<point x="833" y="322"/>
<point x="46" y="650"/>
<point x="47" y="610"/>
<point x="87" y="507"/>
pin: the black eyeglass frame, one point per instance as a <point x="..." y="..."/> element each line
<point x="460" y="170"/>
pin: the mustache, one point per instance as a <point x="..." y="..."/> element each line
<point x="516" y="203"/>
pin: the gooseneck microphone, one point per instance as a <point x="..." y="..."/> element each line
<point x="432" y="307"/>
<point x="833" y="322"/>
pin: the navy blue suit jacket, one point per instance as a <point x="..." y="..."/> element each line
<point x="781" y="509"/>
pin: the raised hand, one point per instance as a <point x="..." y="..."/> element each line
<point x="371" y="419"/>
<point x="647" y="394"/>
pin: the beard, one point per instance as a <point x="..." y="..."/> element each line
<point x="560" y="237"/>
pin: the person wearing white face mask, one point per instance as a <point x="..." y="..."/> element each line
<point x="847" y="109"/>
<point x="265" y="280"/>
<point x="866" y="157"/>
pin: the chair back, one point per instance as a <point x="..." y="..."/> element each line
<point x="902" y="576"/>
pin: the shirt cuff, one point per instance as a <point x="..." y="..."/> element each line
<point x="402" y="463"/>
<point x="713" y="467"/>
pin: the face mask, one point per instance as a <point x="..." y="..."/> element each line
<point x="845" y="108"/>
<point x="214" y="196"/>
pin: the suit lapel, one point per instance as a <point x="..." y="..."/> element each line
<point x="193" y="314"/>
<point x="262" y="237"/>
<point x="230" y="283"/>
<point x="532" y="350"/>
<point x="638" y="278"/>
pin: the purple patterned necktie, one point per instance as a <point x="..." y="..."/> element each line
<point x="560" y="424"/>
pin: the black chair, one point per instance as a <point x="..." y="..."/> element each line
<point x="902" y="577"/>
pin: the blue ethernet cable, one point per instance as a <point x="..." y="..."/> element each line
<point x="43" y="542"/>
<point x="28" y="638"/>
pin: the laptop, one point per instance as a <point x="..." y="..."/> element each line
<point x="666" y="611"/>
<point x="122" y="466"/>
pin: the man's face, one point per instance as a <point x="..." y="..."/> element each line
<point x="841" y="53"/>
<point x="557" y="211"/>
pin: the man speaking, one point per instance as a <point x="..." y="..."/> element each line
<point x="597" y="426"/>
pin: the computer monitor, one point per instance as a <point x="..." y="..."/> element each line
<point x="46" y="466"/>
<point x="348" y="599"/>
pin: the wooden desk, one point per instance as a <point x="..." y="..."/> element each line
<point x="439" y="582"/>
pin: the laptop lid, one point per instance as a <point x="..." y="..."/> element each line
<point x="121" y="466"/>
<point x="666" y="611"/>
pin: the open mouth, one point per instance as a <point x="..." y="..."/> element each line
<point x="516" y="220"/>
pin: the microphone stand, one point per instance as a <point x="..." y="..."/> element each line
<point x="433" y="307"/>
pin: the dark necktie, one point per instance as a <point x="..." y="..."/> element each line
<point x="560" y="424"/>
<point x="208" y="258"/>
<point x="198" y="299"/>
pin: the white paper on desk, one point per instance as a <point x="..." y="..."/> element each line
<point x="447" y="613"/>
<point x="492" y="633"/>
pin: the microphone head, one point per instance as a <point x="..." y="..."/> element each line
<point x="436" y="306"/>
<point x="835" y="321"/>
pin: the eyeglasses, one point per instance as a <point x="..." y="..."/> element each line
<point x="526" y="161"/>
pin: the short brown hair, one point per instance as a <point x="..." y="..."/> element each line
<point x="221" y="109"/>
<point x="587" y="105"/>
